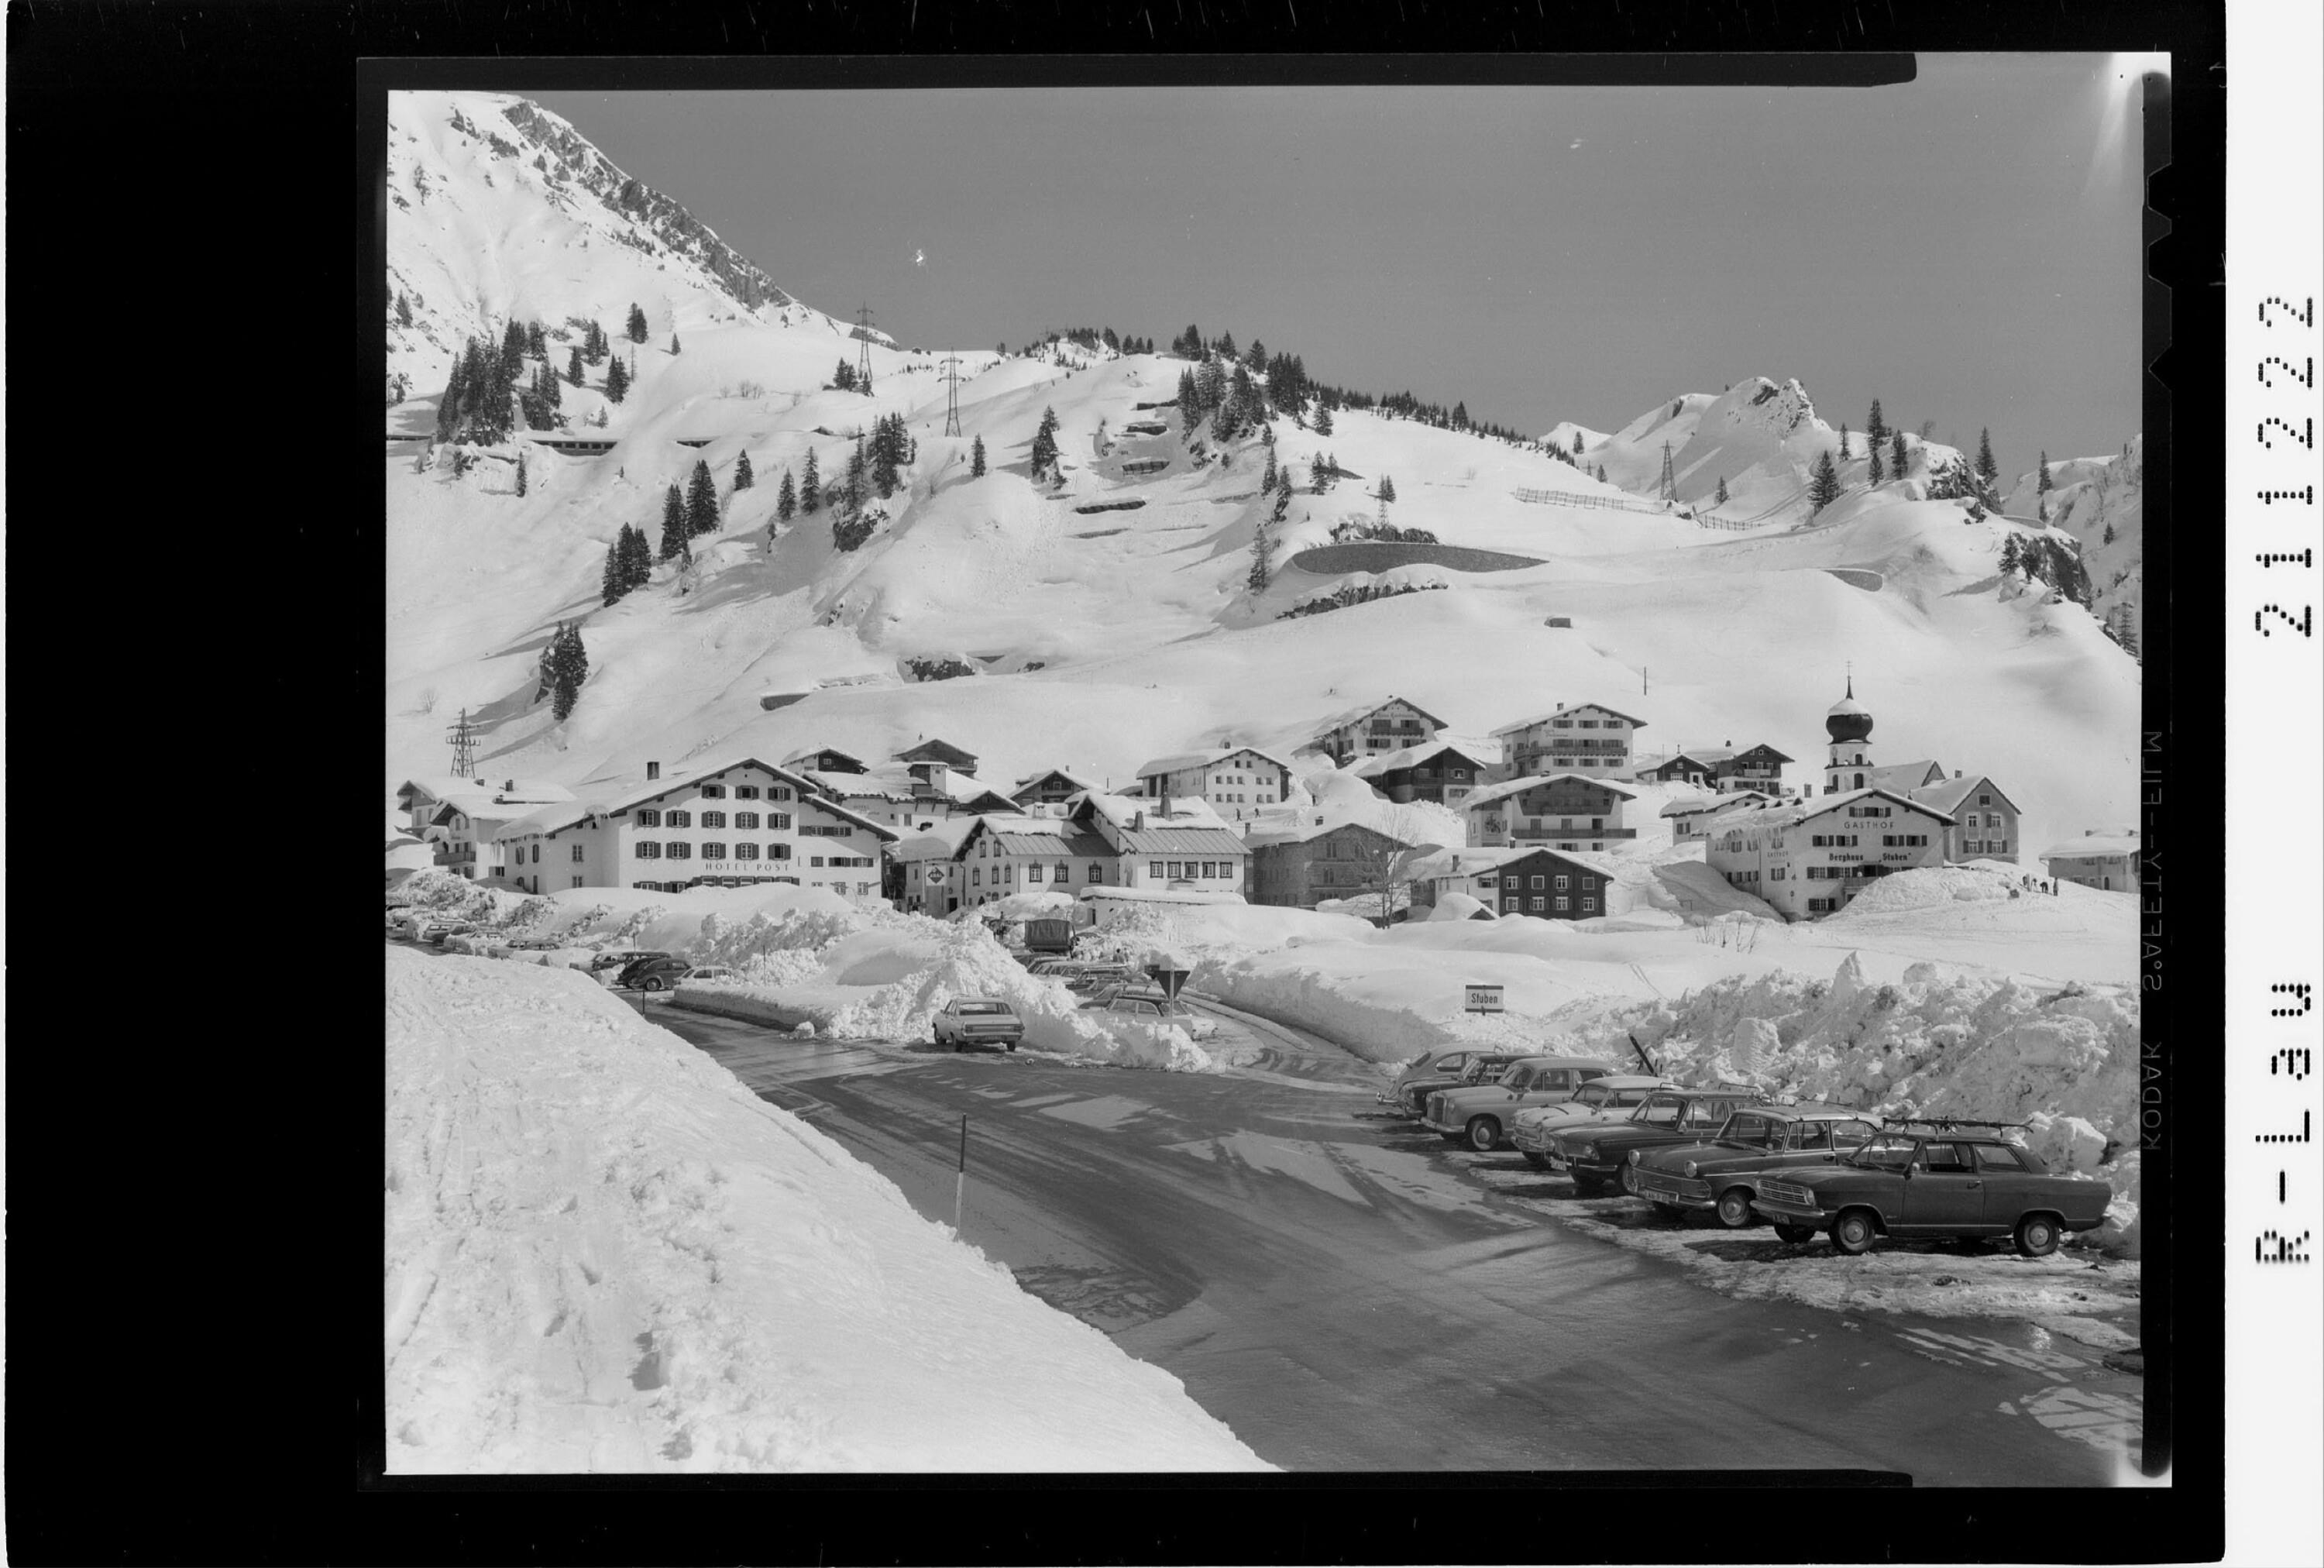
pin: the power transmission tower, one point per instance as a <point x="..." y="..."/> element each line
<point x="951" y="394"/>
<point x="863" y="353"/>
<point x="464" y="748"/>
<point x="1666" y="488"/>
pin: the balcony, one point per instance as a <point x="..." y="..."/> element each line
<point x="1532" y="834"/>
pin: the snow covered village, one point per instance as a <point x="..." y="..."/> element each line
<point x="1110" y="903"/>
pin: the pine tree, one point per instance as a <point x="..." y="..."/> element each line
<point x="568" y="667"/>
<point x="810" y="488"/>
<point x="512" y="351"/>
<point x="2042" y="484"/>
<point x="637" y="324"/>
<point x="2107" y="537"/>
<point x="673" y="524"/>
<point x="887" y="441"/>
<point x="701" y="501"/>
<point x="617" y="380"/>
<point x="536" y="341"/>
<point x="743" y="477"/>
<point x="786" y="499"/>
<point x="1386" y="488"/>
<point x="1260" y="547"/>
<point x="1874" y="426"/>
<point x="852" y="492"/>
<point x="1322" y="419"/>
<point x="1045" y="443"/>
<point x="1873" y="474"/>
<point x="1898" y="458"/>
<point x="843" y="378"/>
<point x="1824" y="489"/>
<point x="1602" y="473"/>
<point x="673" y="343"/>
<point x="1721" y="500"/>
<point x="594" y="348"/>
<point x="1987" y="468"/>
<point x="1844" y="453"/>
<point x="617" y="568"/>
<point x="1266" y="480"/>
<point x="519" y="473"/>
<point x="641" y="559"/>
<point x="2011" y="558"/>
<point x="573" y="370"/>
<point x="1225" y="347"/>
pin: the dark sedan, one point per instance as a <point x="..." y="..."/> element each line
<point x="1935" y="1178"/>
<point x="1595" y="1156"/>
<point x="1722" y="1176"/>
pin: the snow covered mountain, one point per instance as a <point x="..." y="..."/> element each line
<point x="2099" y="501"/>
<point x="1106" y="617"/>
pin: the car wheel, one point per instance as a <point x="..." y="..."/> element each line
<point x="2037" y="1236"/>
<point x="1852" y="1233"/>
<point x="650" y="983"/>
<point x="1484" y="1132"/>
<point x="1795" y="1234"/>
<point x="1733" y="1209"/>
<point x="1012" y="1045"/>
<point x="1538" y="1161"/>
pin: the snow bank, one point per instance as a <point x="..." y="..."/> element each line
<point x="604" y="1254"/>
<point x="1944" y="1043"/>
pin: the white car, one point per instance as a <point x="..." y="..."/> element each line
<point x="1153" y="1007"/>
<point x="718" y="972"/>
<point x="1607" y="1099"/>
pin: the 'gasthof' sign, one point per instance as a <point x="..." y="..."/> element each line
<point x="1482" y="999"/>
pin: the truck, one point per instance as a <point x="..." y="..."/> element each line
<point x="1049" y="937"/>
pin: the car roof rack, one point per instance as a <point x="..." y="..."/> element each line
<point x="1887" y="1121"/>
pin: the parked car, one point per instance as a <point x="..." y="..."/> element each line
<point x="619" y="958"/>
<point x="1153" y="1007"/>
<point x="534" y="944"/>
<point x="1608" y="1099"/>
<point x="399" y="923"/>
<point x="636" y="966"/>
<point x="1933" y="1178"/>
<point x="714" y="971"/>
<point x="976" y="1020"/>
<point x="1445" y="1066"/>
<point x="1595" y="1154"/>
<point x="1483" y="1067"/>
<point x="656" y="973"/>
<point x="1723" y="1176"/>
<point x="1088" y="979"/>
<point x="436" y="931"/>
<point x="1479" y="1114"/>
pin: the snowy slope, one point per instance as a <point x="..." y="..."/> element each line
<point x="605" y="1254"/>
<point x="2100" y="502"/>
<point x="1145" y="638"/>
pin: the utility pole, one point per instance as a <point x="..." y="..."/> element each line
<point x="1666" y="489"/>
<point x="464" y="748"/>
<point x="951" y="394"/>
<point x="863" y="352"/>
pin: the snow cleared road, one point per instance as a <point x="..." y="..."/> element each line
<point x="1347" y="1295"/>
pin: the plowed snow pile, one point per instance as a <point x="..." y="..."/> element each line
<point x="604" y="1254"/>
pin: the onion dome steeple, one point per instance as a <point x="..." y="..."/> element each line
<point x="1848" y="719"/>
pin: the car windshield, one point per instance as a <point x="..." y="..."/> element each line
<point x="1752" y="1131"/>
<point x="1517" y="1076"/>
<point x="1593" y="1094"/>
<point x="982" y="1007"/>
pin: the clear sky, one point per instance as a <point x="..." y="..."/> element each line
<point x="1964" y="247"/>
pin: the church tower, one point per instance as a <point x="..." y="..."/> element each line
<point x="1850" y="725"/>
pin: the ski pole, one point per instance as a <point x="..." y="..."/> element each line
<point x="960" y="1181"/>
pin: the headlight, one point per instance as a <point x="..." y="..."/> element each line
<point x="1689" y="1169"/>
<point x="1587" y="1152"/>
<point x="1634" y="1157"/>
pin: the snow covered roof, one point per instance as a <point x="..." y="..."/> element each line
<point x="1305" y="833"/>
<point x="1354" y="715"/>
<point x="878" y="784"/>
<point x="1462" y="862"/>
<point x="1570" y="708"/>
<point x="656" y="789"/>
<point x="1689" y="804"/>
<point x="1121" y="810"/>
<point x="1948" y="795"/>
<point x="2094" y="843"/>
<point x="1605" y="865"/>
<point x="484" y="791"/>
<point x="1026" y="784"/>
<point x="1794" y="813"/>
<point x="1182" y="760"/>
<point x="936" y="751"/>
<point x="941" y="841"/>
<point x="1408" y="757"/>
<point x="1492" y="793"/>
<point x="1045" y="836"/>
<point x="798" y="757"/>
<point x="1192" y="826"/>
<point x="1904" y="775"/>
<point x="547" y="819"/>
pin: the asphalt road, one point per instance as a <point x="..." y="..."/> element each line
<point x="1331" y="1284"/>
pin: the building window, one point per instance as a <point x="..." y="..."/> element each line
<point x="713" y="819"/>
<point x="1209" y="869"/>
<point x="1538" y="884"/>
<point x="536" y="854"/>
<point x="679" y="849"/>
<point x="649" y="851"/>
<point x="746" y="852"/>
<point x="975" y="875"/>
<point x="746" y="791"/>
<point x="1985" y="800"/>
<point x="1094" y="875"/>
<point x="1033" y="872"/>
<point x="1538" y="905"/>
<point x="777" y="820"/>
<point x="714" y="850"/>
<point x="576" y="855"/>
<point x="817" y="860"/>
<point x="714" y="791"/>
<point x="1561" y="883"/>
<point x="677" y="819"/>
<point x="648" y="818"/>
<point x="576" y="882"/>
<point x="779" y="851"/>
<point x="746" y="819"/>
<point x="779" y="792"/>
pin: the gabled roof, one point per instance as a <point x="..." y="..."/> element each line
<point x="1570" y="708"/>
<point x="1308" y="833"/>
<point x="1692" y="804"/>
<point x="1493" y="793"/>
<point x="1793" y="814"/>
<point x="1036" y="835"/>
<point x="1605" y="865"/>
<point x="1192" y="824"/>
<point x="653" y="790"/>
<point x="549" y="819"/>
<point x="2094" y="843"/>
<point x="1902" y="775"/>
<point x="1409" y="757"/>
<point x="798" y="757"/>
<point x="937" y="750"/>
<point x="1182" y="760"/>
<point x="1704" y="757"/>
<point x="1762" y="746"/>
<point x="1465" y="861"/>
<point x="865" y="786"/>
<point x="1341" y="720"/>
<point x="1031" y="781"/>
<point x="1948" y="795"/>
<point x="941" y="841"/>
